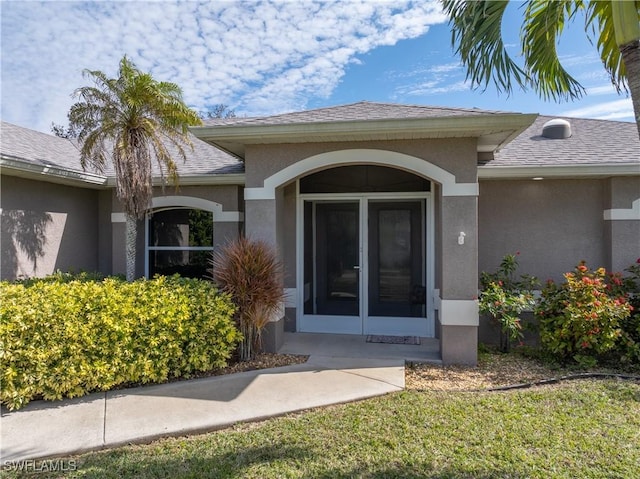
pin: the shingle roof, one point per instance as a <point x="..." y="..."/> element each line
<point x="38" y="148"/>
<point x="43" y="149"/>
<point x="591" y="142"/>
<point x="360" y="111"/>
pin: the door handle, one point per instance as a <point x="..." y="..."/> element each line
<point x="356" y="267"/>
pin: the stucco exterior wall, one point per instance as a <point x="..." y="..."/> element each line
<point x="622" y="221"/>
<point x="453" y="155"/>
<point x="47" y="227"/>
<point x="554" y="224"/>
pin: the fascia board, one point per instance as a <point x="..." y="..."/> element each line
<point x="442" y="127"/>
<point x="54" y="174"/>
<point x="196" y="180"/>
<point x="558" y="171"/>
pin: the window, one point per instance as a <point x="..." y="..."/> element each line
<point x="180" y="240"/>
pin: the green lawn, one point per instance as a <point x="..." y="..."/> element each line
<point x="581" y="429"/>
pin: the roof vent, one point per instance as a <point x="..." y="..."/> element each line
<point x="556" y="129"/>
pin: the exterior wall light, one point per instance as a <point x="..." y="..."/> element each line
<point x="461" y="238"/>
<point x="537" y="178"/>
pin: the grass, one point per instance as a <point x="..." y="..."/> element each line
<point x="586" y="429"/>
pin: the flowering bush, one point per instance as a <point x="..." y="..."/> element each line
<point x="628" y="287"/>
<point x="504" y="298"/>
<point x="581" y="318"/>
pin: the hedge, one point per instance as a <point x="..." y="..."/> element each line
<point x="66" y="336"/>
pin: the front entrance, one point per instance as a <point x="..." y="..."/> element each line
<point x="365" y="264"/>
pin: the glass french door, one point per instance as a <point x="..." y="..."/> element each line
<point x="364" y="266"/>
<point x="337" y="259"/>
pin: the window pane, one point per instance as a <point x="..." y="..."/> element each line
<point x="394" y="250"/>
<point x="190" y="264"/>
<point x="181" y="227"/>
<point x="362" y="178"/>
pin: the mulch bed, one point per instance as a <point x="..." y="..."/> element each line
<point x="495" y="370"/>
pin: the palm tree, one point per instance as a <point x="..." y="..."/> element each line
<point x="615" y="24"/>
<point x="131" y="120"/>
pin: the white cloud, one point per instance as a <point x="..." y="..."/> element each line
<point x="259" y="57"/>
<point x="611" y="110"/>
<point x="434" y="80"/>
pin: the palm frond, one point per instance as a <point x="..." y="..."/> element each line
<point x="477" y="37"/>
<point x="599" y="24"/>
<point x="131" y="120"/>
<point x="544" y="21"/>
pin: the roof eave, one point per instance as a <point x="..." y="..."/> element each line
<point x="496" y="128"/>
<point x="13" y="166"/>
<point x="487" y="172"/>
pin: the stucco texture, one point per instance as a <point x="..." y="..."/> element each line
<point x="47" y="227"/>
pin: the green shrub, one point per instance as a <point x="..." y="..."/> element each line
<point x="64" y="337"/>
<point x="628" y="286"/>
<point x="581" y="318"/>
<point x="504" y="297"/>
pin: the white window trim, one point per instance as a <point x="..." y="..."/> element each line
<point x="163" y="203"/>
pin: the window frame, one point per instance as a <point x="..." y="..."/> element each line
<point x="147" y="236"/>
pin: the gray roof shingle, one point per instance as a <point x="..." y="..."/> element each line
<point x="591" y="142"/>
<point x="43" y="149"/>
<point x="360" y="111"/>
<point x="38" y="148"/>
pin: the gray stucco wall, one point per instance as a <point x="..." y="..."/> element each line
<point x="554" y="224"/>
<point x="622" y="236"/>
<point x="453" y="155"/>
<point x="47" y="227"/>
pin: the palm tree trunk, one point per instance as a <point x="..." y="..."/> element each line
<point x="627" y="33"/>
<point x="631" y="58"/>
<point x="130" y="245"/>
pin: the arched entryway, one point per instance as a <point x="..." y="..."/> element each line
<point x="366" y="252"/>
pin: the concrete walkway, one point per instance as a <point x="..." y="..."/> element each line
<point x="45" y="429"/>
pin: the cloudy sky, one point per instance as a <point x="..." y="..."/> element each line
<point x="265" y="57"/>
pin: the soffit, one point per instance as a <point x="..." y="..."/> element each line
<point x="492" y="131"/>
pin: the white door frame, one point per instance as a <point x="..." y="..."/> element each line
<point x="367" y="325"/>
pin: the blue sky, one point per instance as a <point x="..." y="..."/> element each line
<point x="267" y="57"/>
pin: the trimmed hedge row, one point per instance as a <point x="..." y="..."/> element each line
<point x="66" y="336"/>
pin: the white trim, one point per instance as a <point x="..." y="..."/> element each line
<point x="632" y="213"/>
<point x="494" y="128"/>
<point x="290" y="295"/>
<point x="55" y="174"/>
<point x="488" y="172"/>
<point x="118" y="218"/>
<point x="457" y="312"/>
<point x="219" y="216"/>
<point x="366" y="157"/>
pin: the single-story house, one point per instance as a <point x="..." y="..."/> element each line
<point x="383" y="214"/>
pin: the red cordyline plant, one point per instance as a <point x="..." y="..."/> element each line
<point x="250" y="272"/>
<point x="581" y="318"/>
